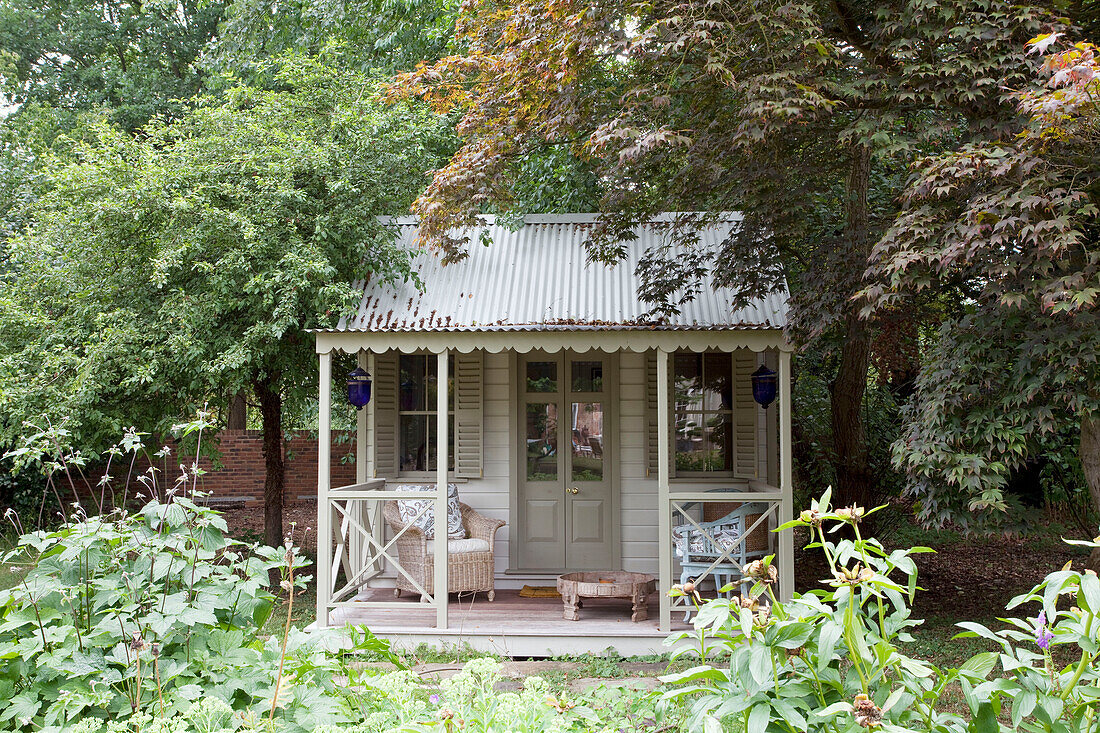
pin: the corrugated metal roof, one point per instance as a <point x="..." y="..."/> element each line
<point x="538" y="278"/>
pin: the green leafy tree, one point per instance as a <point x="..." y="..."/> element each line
<point x="136" y="59"/>
<point x="184" y="264"/>
<point x="1013" y="227"/>
<point x="368" y="34"/>
<point x="803" y="116"/>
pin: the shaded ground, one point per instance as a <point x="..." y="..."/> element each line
<point x="247" y="523"/>
<point x="966" y="577"/>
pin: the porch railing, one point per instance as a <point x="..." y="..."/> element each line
<point x="358" y="550"/>
<point x="687" y="511"/>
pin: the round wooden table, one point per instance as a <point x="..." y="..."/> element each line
<point x="606" y="584"/>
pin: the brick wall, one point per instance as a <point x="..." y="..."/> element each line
<point x="241" y="476"/>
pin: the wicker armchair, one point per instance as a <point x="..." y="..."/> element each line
<point x="468" y="571"/>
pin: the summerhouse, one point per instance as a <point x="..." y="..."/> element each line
<point x="582" y="457"/>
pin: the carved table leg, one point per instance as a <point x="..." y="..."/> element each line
<point x="570" y="603"/>
<point x="640" y="608"/>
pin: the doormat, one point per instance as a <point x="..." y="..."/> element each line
<point x="539" y="591"/>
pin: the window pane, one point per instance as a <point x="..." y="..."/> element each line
<point x="703" y="381"/>
<point x="542" y="442"/>
<point x="432" y="440"/>
<point x="414" y="442"/>
<point x="413" y="381"/>
<point x="717" y="382"/>
<point x="587" y="441"/>
<point x="432" y="380"/>
<point x="687" y="380"/>
<point x="542" y="376"/>
<point x="704" y="442"/>
<point x="587" y="376"/>
<point x="419" y="375"/>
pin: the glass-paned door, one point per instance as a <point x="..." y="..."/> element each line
<point x="565" y="501"/>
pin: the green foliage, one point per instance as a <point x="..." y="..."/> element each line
<point x="362" y="34"/>
<point x="21" y="492"/>
<point x="136" y="60"/>
<point x="123" y="613"/>
<point x="815" y="458"/>
<point x="832" y="659"/>
<point x="1014" y="227"/>
<point x="183" y="264"/>
<point x="401" y="701"/>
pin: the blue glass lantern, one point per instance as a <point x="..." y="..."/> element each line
<point x="764" y="384"/>
<point x="359" y="387"/>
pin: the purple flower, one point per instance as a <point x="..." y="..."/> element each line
<point x="434" y="699"/>
<point x="1043" y="635"/>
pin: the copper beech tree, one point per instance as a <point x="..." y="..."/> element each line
<point x="804" y="116"/>
<point x="1013" y="226"/>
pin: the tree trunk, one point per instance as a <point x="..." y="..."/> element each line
<point x="854" y="483"/>
<point x="1089" y="452"/>
<point x="238" y="413"/>
<point x="271" y="410"/>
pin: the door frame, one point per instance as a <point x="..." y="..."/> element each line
<point x="517" y="459"/>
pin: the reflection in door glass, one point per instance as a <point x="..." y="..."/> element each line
<point x="587" y="376"/>
<point x="542" y="376"/>
<point x="542" y="442"/>
<point x="587" y="441"/>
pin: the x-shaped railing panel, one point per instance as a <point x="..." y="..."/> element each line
<point x="726" y="552"/>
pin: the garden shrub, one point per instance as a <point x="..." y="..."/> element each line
<point x="831" y="660"/>
<point x="152" y="622"/>
<point x="136" y="612"/>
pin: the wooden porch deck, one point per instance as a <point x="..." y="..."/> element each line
<point x="513" y="626"/>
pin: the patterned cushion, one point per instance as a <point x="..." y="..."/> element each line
<point x="407" y="509"/>
<point x="725" y="536"/>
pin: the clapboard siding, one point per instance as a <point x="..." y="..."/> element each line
<point x="490" y="494"/>
<point x="637" y="492"/>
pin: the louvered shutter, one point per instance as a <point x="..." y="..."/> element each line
<point x="651" y="417"/>
<point x="468" y="418"/>
<point x="746" y="460"/>
<point x="385" y="415"/>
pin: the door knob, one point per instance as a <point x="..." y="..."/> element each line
<point x="574" y="490"/>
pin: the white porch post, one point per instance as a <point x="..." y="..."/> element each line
<point x="356" y="549"/>
<point x="441" y="458"/>
<point x="664" y="530"/>
<point x="361" y="467"/>
<point x="324" y="465"/>
<point x="786" y="484"/>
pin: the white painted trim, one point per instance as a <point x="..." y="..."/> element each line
<point x="786" y="480"/>
<point x="603" y="339"/>
<point x="361" y="418"/>
<point x="664" y="530"/>
<point x="441" y="459"/>
<point x="324" y="480"/>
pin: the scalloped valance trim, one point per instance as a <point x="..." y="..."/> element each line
<point x="350" y="342"/>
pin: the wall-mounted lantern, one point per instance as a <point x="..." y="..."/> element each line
<point x="359" y="387"/>
<point x="764" y="383"/>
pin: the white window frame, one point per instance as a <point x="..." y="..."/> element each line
<point x="680" y="413"/>
<point x="428" y="475"/>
